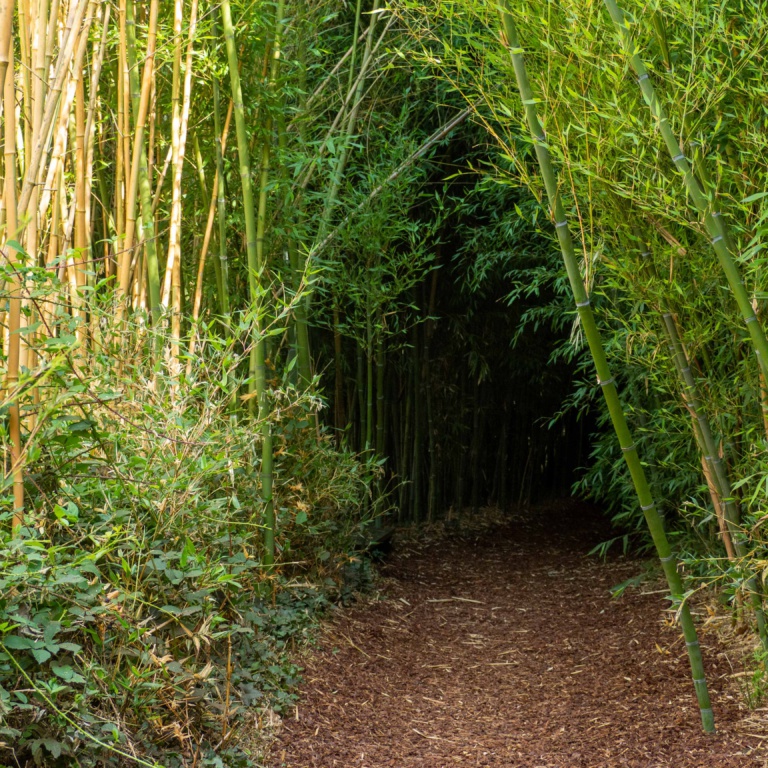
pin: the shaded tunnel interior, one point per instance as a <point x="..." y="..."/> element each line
<point x="461" y="386"/>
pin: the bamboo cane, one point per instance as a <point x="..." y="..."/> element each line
<point x="181" y="108"/>
<point x="715" y="472"/>
<point x="219" y="193"/>
<point x="14" y="289"/>
<point x="214" y="203"/>
<point x="138" y="168"/>
<point x="81" y="232"/>
<point x="75" y="35"/>
<point x="257" y="373"/>
<point x="267" y="458"/>
<point x="605" y="379"/>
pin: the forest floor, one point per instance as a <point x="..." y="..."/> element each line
<point x="505" y="648"/>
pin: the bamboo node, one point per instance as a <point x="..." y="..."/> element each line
<point x="563" y="223"/>
<point x="667" y="559"/>
<point x="717" y="239"/>
<point x="642" y="77"/>
<point x="581" y="304"/>
<point x="645" y="253"/>
<point x="700" y="681"/>
<point x="606" y="382"/>
<point x="678" y="158"/>
<point x="752" y="319"/>
<point x="691" y="643"/>
<point x="628" y="448"/>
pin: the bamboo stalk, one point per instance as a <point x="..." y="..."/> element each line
<point x="180" y="122"/>
<point x="257" y="374"/>
<point x="6" y="26"/>
<point x="76" y="34"/>
<point x="267" y="458"/>
<point x="219" y="193"/>
<point x="81" y="232"/>
<point x="605" y="378"/>
<point x="138" y="172"/>
<point x="714" y="469"/>
<point x="40" y="25"/>
<point x="215" y="202"/>
<point x="15" y="288"/>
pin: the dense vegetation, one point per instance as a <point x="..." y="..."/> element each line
<point x="273" y="273"/>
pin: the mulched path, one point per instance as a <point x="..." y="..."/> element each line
<point x="506" y="649"/>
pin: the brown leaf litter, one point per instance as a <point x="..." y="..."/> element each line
<point x="506" y="649"/>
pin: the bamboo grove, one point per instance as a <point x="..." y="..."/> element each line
<point x="274" y="272"/>
<point x="660" y="178"/>
<point x="226" y="249"/>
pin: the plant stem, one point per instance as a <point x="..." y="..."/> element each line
<point x="604" y="376"/>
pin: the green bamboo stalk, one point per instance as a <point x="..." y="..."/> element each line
<point x="299" y="315"/>
<point x="358" y="10"/>
<point x="416" y="453"/>
<point x="360" y="386"/>
<point x="714" y="221"/>
<point x="405" y="448"/>
<point x="711" y="455"/>
<point x="369" y="375"/>
<point x="304" y="359"/>
<point x="702" y="428"/>
<point x="474" y="450"/>
<point x="380" y="396"/>
<point x="244" y="161"/>
<point x="431" y="446"/>
<point x="337" y="175"/>
<point x="257" y="384"/>
<point x="267" y="455"/>
<point x="339" y="417"/>
<point x="605" y="379"/>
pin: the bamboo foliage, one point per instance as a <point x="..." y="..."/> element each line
<point x="606" y="380"/>
<point x="716" y="224"/>
<point x="98" y="194"/>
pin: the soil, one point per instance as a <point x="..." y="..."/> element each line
<point x="505" y="648"/>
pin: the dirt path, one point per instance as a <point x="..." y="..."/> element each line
<point x="507" y="650"/>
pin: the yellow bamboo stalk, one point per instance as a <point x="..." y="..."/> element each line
<point x="124" y="262"/>
<point x="58" y="153"/>
<point x="120" y="164"/>
<point x="14" y="288"/>
<point x="81" y="225"/>
<point x="206" y="244"/>
<point x="6" y="25"/>
<point x="74" y="42"/>
<point x="39" y="27"/>
<point x="180" y="123"/>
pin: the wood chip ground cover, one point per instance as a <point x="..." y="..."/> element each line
<point x="506" y="649"/>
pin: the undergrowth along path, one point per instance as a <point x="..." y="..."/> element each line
<point x="506" y="649"/>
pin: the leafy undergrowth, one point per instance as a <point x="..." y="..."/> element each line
<point x="138" y="624"/>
